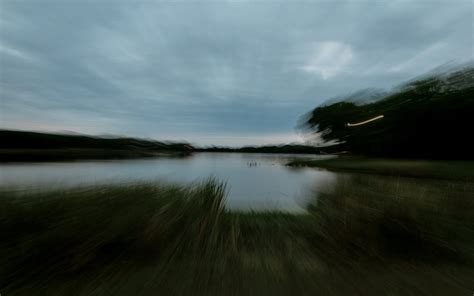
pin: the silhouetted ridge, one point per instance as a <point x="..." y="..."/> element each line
<point x="428" y="118"/>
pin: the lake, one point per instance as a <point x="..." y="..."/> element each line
<point x="255" y="181"/>
<point x="355" y="226"/>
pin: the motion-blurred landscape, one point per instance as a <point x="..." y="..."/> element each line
<point x="241" y="148"/>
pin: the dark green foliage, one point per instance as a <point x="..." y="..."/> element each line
<point x="429" y="118"/>
<point x="365" y="236"/>
<point x="26" y="146"/>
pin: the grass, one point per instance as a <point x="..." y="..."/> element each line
<point x="455" y="170"/>
<point x="364" y="236"/>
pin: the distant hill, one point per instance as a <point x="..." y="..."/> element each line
<point x="23" y="145"/>
<point x="302" y="149"/>
<point x="431" y="117"/>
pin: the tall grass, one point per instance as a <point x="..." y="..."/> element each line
<point x="362" y="237"/>
<point x="404" y="217"/>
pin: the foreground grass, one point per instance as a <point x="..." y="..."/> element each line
<point x="361" y="237"/>
<point x="455" y="170"/>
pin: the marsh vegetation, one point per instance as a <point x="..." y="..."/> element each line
<point x="363" y="236"/>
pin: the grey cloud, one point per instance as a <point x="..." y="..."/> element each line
<point x="149" y="68"/>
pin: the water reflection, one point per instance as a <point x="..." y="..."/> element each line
<point x="256" y="181"/>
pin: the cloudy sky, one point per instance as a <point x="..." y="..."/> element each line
<point x="211" y="72"/>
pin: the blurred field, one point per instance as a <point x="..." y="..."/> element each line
<point x="363" y="236"/>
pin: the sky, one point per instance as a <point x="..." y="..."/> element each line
<point x="211" y="72"/>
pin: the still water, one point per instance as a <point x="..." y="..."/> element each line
<point x="255" y="181"/>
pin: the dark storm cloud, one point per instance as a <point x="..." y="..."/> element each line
<point x="207" y="71"/>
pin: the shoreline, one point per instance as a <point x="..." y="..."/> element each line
<point x="72" y="154"/>
<point x="415" y="168"/>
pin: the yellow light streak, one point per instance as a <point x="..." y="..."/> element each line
<point x="367" y="121"/>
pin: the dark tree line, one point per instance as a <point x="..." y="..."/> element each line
<point x="33" y="140"/>
<point x="428" y="118"/>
